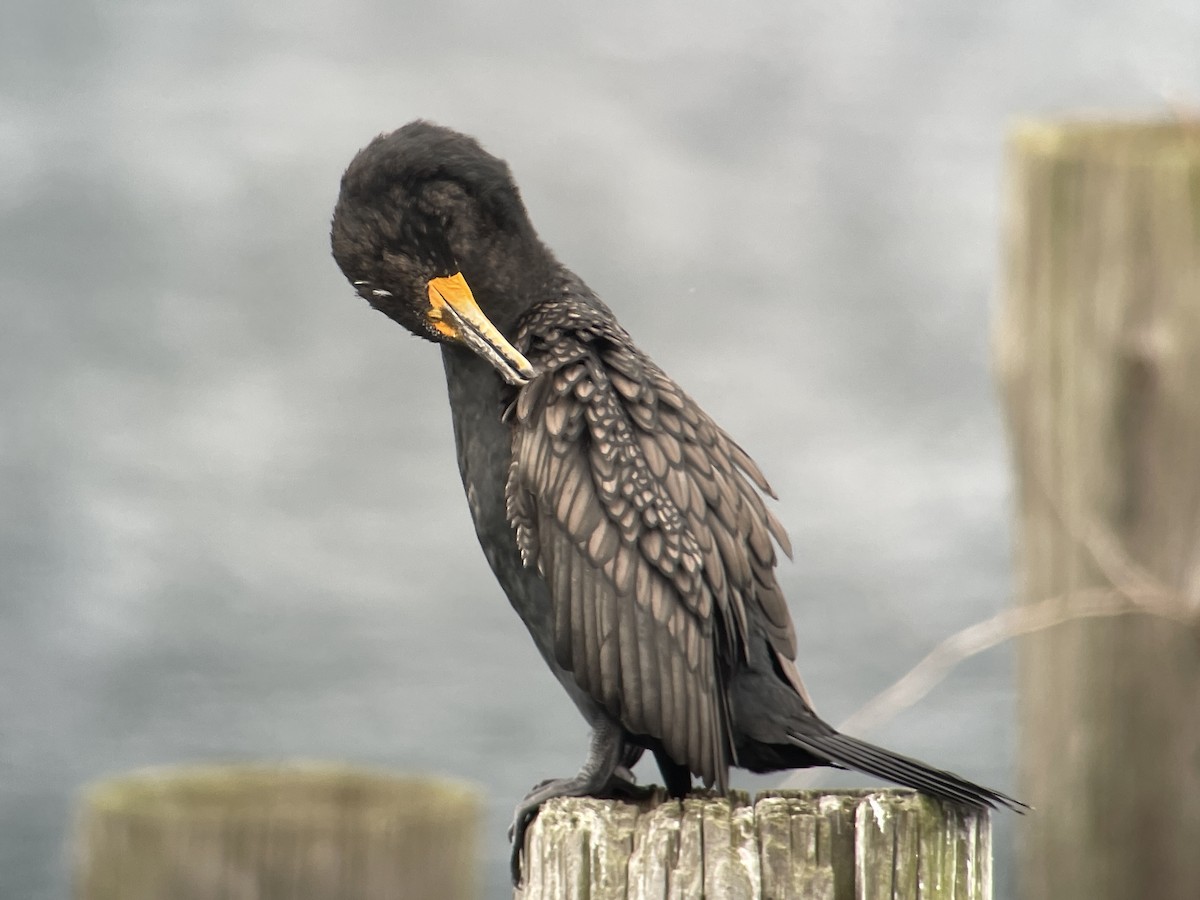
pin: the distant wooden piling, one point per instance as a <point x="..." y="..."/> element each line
<point x="794" y="845"/>
<point x="1098" y="351"/>
<point x="300" y="833"/>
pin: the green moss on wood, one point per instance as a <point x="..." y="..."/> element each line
<point x="849" y="845"/>
<point x="312" y="832"/>
<point x="283" y="793"/>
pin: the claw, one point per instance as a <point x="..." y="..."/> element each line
<point x="516" y="858"/>
<point x="620" y="786"/>
<point x="597" y="778"/>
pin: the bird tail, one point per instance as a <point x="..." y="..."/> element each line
<point x="850" y="753"/>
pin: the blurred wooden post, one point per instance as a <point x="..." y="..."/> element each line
<point x="794" y="845"/>
<point x="1098" y="352"/>
<point x="301" y="833"/>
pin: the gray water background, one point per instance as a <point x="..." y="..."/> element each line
<point x="231" y="524"/>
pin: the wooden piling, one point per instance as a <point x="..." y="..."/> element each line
<point x="253" y="833"/>
<point x="793" y="845"/>
<point x="1097" y="346"/>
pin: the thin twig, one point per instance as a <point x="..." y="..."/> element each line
<point x="1102" y="545"/>
<point x="1131" y="590"/>
<point x="1018" y="620"/>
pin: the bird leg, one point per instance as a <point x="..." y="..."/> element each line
<point x="676" y="777"/>
<point x="605" y="773"/>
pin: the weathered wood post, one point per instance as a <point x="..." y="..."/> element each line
<point x="301" y="833"/>
<point x="1098" y="351"/>
<point x="793" y="845"/>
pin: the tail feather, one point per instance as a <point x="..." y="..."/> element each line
<point x="847" y="752"/>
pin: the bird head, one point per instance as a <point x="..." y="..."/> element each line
<point x="429" y="228"/>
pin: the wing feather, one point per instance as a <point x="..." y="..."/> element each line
<point x="647" y="522"/>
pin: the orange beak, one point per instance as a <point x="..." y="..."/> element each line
<point x="456" y="316"/>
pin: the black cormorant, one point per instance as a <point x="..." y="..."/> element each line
<point x="628" y="530"/>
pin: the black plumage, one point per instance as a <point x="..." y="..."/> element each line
<point x="627" y="529"/>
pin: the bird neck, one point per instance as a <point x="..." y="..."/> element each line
<point x="510" y="281"/>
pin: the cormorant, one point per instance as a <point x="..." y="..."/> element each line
<point x="627" y="529"/>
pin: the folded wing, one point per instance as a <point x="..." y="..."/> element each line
<point x="647" y="524"/>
